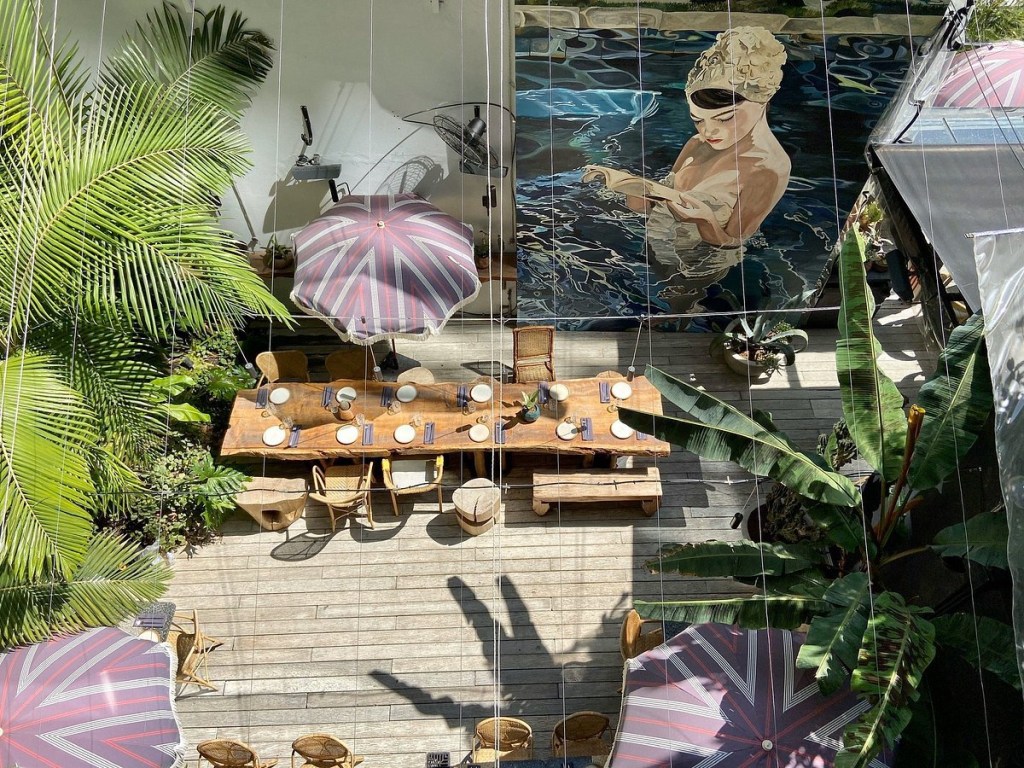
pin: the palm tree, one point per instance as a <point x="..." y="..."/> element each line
<point x="109" y="244"/>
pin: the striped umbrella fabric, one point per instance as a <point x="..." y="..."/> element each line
<point x="384" y="267"/>
<point x="101" y="698"/>
<point x="986" y="77"/>
<point x="717" y="695"/>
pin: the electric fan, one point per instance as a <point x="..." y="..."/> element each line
<point x="468" y="142"/>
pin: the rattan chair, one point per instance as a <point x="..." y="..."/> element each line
<point x="225" y="753"/>
<point x="533" y="349"/>
<point x="192" y="648"/>
<point x="321" y="750"/>
<point x="504" y="738"/>
<point x="416" y="376"/>
<point x="633" y="640"/>
<point x="610" y="375"/>
<point x="410" y="476"/>
<point x="283" y="365"/>
<point x="350" y="363"/>
<point x="581" y="734"/>
<point x="343" y="489"/>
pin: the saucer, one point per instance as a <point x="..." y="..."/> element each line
<point x="481" y="393"/>
<point x="274" y="435"/>
<point x="621" y="430"/>
<point x="346" y="393"/>
<point x="621" y="390"/>
<point x="405" y="433"/>
<point x="406" y="393"/>
<point x="348" y="434"/>
<point x="479" y="432"/>
<point x="280" y="395"/>
<point x="566" y="430"/>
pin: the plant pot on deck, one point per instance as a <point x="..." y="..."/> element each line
<point x="754" y="370"/>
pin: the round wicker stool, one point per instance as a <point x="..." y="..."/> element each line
<point x="477" y="505"/>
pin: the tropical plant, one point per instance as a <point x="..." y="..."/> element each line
<point x="995" y="20"/>
<point x="109" y="244"/>
<point x="860" y="629"/>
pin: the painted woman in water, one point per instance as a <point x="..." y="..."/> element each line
<point x="733" y="172"/>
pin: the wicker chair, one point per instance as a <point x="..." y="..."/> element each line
<point x="343" y="489"/>
<point x="350" y="363"/>
<point x="283" y="365"/>
<point x="321" y="750"/>
<point x="192" y="648"/>
<point x="610" y="375"/>
<point x="633" y="640"/>
<point x="416" y="376"/>
<point x="533" y="349"/>
<point x="504" y="738"/>
<point x="581" y="734"/>
<point x="410" y="476"/>
<point x="225" y="753"/>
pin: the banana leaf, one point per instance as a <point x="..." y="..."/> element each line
<point x="982" y="539"/>
<point x="872" y="405"/>
<point x="898" y="646"/>
<point x="782" y="612"/>
<point x="957" y="401"/>
<point x="842" y="526"/>
<point x="734" y="558"/>
<point x="723" y="433"/>
<point x="834" y="639"/>
<point x="983" y="642"/>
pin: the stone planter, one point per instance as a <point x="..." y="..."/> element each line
<point x="752" y="370"/>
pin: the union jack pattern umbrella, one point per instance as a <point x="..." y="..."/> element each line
<point x="384" y="267"/>
<point x="717" y="695"/>
<point x="98" y="698"/>
<point x="989" y="76"/>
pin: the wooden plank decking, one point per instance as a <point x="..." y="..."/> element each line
<point x="397" y="640"/>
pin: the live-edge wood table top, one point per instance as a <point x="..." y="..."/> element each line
<point x="436" y="403"/>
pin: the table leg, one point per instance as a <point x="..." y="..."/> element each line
<point x="479" y="464"/>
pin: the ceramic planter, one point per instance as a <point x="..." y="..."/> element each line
<point x="530" y="415"/>
<point x="749" y="369"/>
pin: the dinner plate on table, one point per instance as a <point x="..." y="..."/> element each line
<point x="559" y="392"/>
<point x="346" y="393"/>
<point x="621" y="390"/>
<point x="566" y="430"/>
<point x="274" y="435"/>
<point x="621" y="429"/>
<point x="479" y="432"/>
<point x="405" y="433"/>
<point x="481" y="393"/>
<point x="280" y="396"/>
<point x="348" y="434"/>
<point x="406" y="393"/>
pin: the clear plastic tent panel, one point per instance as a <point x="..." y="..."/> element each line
<point x="1001" y="280"/>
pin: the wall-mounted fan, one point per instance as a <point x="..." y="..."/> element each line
<point x="468" y="140"/>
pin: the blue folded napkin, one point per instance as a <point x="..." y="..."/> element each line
<point x="587" y="428"/>
<point x="150" y="621"/>
<point x="641" y="435"/>
<point x="293" y="441"/>
<point x="542" y="392"/>
<point x="385" y="396"/>
<point x="499" y="433"/>
<point x="328" y="395"/>
<point x="428" y="433"/>
<point x="461" y="396"/>
<point x="368" y="434"/>
<point x="261" y="397"/>
<point x="605" y="388"/>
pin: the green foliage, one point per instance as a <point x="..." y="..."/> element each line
<point x="834" y="639"/>
<point x="983" y="642"/>
<point x="734" y="558"/>
<point x="983" y="539"/>
<point x="785" y="612"/>
<point x="995" y="20"/>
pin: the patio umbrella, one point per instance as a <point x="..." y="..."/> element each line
<point x="384" y="267"/>
<point x="98" y="698"/>
<point x="988" y="76"/>
<point x="717" y="695"/>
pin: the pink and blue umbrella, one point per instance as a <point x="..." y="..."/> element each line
<point x="98" y="698"/>
<point x="384" y="267"/>
<point x="986" y="77"/>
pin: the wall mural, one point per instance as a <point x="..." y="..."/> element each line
<point x="687" y="173"/>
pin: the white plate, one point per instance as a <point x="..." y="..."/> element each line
<point x="280" y="395"/>
<point x="348" y="434"/>
<point x="621" y="390"/>
<point x="566" y="430"/>
<point x="346" y="393"/>
<point x="559" y="392"/>
<point x="479" y="432"/>
<point x="405" y="433"/>
<point x="274" y="435"/>
<point x="406" y="393"/>
<point x="481" y="393"/>
<point x="621" y="430"/>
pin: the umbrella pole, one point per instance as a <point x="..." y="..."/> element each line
<point x="390" y="361"/>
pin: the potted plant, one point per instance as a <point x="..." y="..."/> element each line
<point x="529" y="409"/>
<point x="757" y="351"/>
<point x="277" y="257"/>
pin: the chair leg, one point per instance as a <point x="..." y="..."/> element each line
<point x="394" y="503"/>
<point x="440" y="503"/>
<point x="369" y="512"/>
<point x="334" y="518"/>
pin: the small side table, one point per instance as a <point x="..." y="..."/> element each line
<point x="274" y="502"/>
<point x="477" y="505"/>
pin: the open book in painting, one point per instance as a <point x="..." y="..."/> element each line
<point x="626" y="183"/>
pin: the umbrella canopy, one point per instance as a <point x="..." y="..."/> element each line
<point x="989" y="76"/>
<point x="717" y="695"/>
<point x="98" y="698"/>
<point x="384" y="267"/>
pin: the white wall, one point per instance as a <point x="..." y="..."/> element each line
<point x="359" y="66"/>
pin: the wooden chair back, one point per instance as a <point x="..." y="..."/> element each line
<point x="397" y="489"/>
<point x="581" y="734"/>
<point x="324" y="751"/>
<point x="282" y="365"/>
<point x="533" y="349"/>
<point x="225" y="753"/>
<point x="633" y="640"/>
<point x="192" y="648"/>
<point x="502" y="736"/>
<point x="350" y="363"/>
<point x="343" y="488"/>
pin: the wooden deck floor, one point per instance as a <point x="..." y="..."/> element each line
<point x="397" y="640"/>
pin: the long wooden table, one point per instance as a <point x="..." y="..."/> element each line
<point x="436" y="403"/>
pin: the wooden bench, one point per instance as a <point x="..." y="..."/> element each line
<point x="587" y="485"/>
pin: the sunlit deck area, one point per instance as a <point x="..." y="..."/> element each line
<point x="399" y="639"/>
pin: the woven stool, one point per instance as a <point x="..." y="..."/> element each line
<point x="477" y="505"/>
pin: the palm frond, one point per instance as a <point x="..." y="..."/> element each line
<point x="783" y="612"/>
<point x="872" y="405"/>
<point x="47" y="436"/>
<point x="113" y="581"/>
<point x="723" y="433"/>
